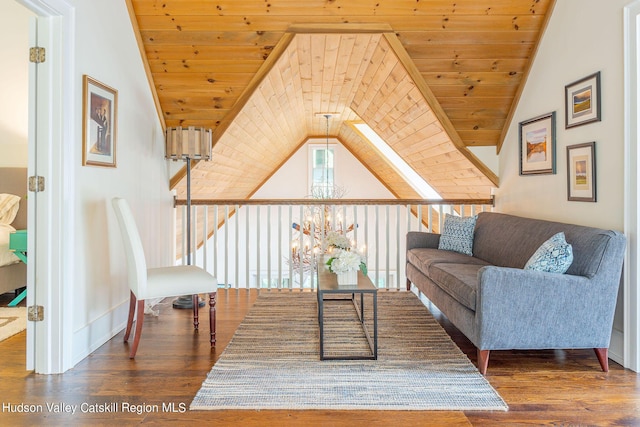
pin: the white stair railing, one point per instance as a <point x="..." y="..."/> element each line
<point x="255" y="243"/>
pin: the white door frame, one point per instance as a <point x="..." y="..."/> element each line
<point x="632" y="184"/>
<point x="49" y="342"/>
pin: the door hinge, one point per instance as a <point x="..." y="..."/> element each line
<point x="37" y="55"/>
<point x="36" y="183"/>
<point x="35" y="313"/>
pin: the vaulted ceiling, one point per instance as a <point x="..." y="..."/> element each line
<point x="431" y="77"/>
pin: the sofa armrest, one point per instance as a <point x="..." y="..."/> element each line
<point x="421" y="239"/>
<point x="535" y="310"/>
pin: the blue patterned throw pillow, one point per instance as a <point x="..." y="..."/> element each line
<point x="553" y="256"/>
<point x="457" y="234"/>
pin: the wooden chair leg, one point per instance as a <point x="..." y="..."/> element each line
<point x="603" y="357"/>
<point x="138" y="332"/>
<point x="483" y="361"/>
<point x="196" y="308"/>
<point x="212" y="317"/>
<point x="132" y="312"/>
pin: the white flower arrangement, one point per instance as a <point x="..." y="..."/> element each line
<point x="344" y="260"/>
<point x="337" y="240"/>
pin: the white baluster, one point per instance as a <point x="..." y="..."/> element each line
<point x="290" y="241"/>
<point x="258" y="276"/>
<point x="215" y="242"/>
<point x="226" y="246"/>
<point x="377" y="230"/>
<point x="280" y="246"/>
<point x="205" y="229"/>
<point x="397" y="246"/>
<point x="269" y="245"/>
<point x="184" y="235"/>
<point x="247" y="256"/>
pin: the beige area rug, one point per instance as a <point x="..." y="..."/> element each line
<point x="272" y="361"/>
<point x="12" y="321"/>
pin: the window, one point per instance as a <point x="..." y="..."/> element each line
<point x="411" y="176"/>
<point x="322" y="167"/>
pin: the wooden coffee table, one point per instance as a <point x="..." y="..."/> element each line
<point x="328" y="285"/>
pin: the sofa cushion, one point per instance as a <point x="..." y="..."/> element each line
<point x="457" y="234"/>
<point x="423" y="258"/>
<point x="458" y="280"/>
<point x="509" y="241"/>
<point x="553" y="256"/>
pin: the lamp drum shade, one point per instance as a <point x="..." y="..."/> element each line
<point x="190" y="142"/>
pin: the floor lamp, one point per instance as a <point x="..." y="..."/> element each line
<point x="190" y="143"/>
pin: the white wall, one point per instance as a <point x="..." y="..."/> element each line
<point x="292" y="179"/>
<point x="106" y="49"/>
<point x="574" y="46"/>
<point x="14" y="83"/>
<point x="583" y="37"/>
<point x="488" y="156"/>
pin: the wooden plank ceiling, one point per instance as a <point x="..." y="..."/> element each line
<point x="431" y="77"/>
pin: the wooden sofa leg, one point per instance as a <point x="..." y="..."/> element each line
<point x="603" y="358"/>
<point x="408" y="284"/>
<point x="483" y="361"/>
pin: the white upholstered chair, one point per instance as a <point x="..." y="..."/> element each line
<point x="159" y="282"/>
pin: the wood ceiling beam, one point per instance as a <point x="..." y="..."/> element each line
<point x="426" y="92"/>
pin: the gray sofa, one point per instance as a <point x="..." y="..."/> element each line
<point x="500" y="306"/>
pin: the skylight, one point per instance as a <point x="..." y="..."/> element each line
<point x="410" y="175"/>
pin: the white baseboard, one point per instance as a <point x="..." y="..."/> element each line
<point x="88" y="339"/>
<point x="616" y="348"/>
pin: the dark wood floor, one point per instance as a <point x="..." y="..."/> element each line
<point x="541" y="387"/>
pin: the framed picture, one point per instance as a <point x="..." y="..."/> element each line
<point x="99" y="118"/>
<point x="538" y="145"/>
<point x="582" y="101"/>
<point x="581" y="172"/>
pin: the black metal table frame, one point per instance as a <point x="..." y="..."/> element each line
<point x="373" y="343"/>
